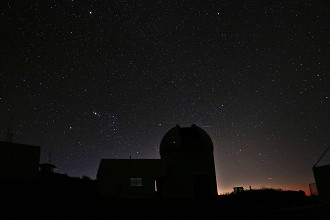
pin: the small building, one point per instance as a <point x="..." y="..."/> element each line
<point x="130" y="178"/>
<point x="238" y="189"/>
<point x="322" y="179"/>
<point x="186" y="169"/>
<point x="18" y="161"/>
<point x="46" y="168"/>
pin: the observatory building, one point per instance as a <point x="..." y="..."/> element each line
<point x="186" y="169"/>
<point x="188" y="153"/>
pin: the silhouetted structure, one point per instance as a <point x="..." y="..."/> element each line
<point x="238" y="189"/>
<point x="18" y="161"/>
<point x="186" y="169"/>
<point x="188" y="152"/>
<point x="322" y="179"/>
<point x="47" y="168"/>
<point x="10" y="133"/>
<point x="313" y="189"/>
<point x="130" y="178"/>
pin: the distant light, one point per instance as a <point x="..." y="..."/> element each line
<point x="90" y="12"/>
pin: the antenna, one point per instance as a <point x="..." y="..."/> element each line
<point x="321" y="156"/>
<point x="10" y="133"/>
<point x="49" y="157"/>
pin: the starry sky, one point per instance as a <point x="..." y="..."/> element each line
<point x="87" y="80"/>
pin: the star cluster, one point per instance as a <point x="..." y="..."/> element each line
<point x="87" y="80"/>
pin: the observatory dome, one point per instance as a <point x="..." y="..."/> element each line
<point x="185" y="138"/>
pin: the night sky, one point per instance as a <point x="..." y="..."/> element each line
<point x="87" y="80"/>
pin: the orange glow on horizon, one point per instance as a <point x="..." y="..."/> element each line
<point x="288" y="188"/>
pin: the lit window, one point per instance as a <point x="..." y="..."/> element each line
<point x="136" y="181"/>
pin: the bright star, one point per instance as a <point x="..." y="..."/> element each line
<point x="96" y="114"/>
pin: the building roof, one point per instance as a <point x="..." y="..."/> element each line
<point x="187" y="138"/>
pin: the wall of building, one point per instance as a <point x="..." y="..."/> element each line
<point x="322" y="179"/>
<point x="114" y="177"/>
<point x="190" y="174"/>
<point x="121" y="188"/>
<point x="18" y="161"/>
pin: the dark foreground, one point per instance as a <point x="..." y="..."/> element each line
<point x="79" y="201"/>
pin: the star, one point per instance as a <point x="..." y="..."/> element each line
<point x="96" y="114"/>
<point x="110" y="83"/>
